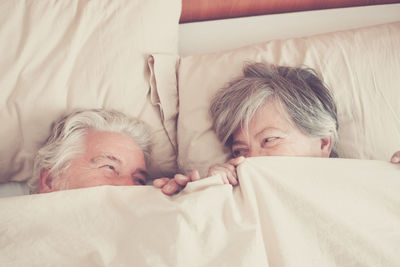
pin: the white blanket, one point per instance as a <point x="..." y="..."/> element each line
<point x="286" y="212"/>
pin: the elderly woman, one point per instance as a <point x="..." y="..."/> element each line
<point x="274" y="111"/>
<point x="271" y="111"/>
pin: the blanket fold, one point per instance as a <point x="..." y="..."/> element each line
<point x="286" y="212"/>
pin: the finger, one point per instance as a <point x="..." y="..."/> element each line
<point x="219" y="167"/>
<point x="227" y="174"/>
<point x="212" y="169"/>
<point x="194" y="175"/>
<point x="231" y="168"/>
<point x="236" y="161"/>
<point x="171" y="188"/>
<point x="223" y="174"/>
<point x="232" y="178"/>
<point x="160" y="182"/>
<point x="215" y="169"/>
<point x="225" y="179"/>
<point x="181" y="179"/>
<point x="222" y="168"/>
<point x="395" y="158"/>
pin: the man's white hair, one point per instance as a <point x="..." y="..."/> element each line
<point x="66" y="140"/>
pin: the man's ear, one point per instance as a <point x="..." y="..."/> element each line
<point x="326" y="146"/>
<point x="45" y="182"/>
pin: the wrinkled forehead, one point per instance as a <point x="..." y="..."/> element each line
<point x="271" y="114"/>
<point x="118" y="146"/>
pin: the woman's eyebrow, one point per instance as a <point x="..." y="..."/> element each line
<point x="238" y="142"/>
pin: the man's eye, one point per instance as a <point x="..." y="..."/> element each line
<point x="140" y="181"/>
<point x="110" y="167"/>
<point x="269" y="139"/>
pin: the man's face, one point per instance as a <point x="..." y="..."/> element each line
<point x="108" y="158"/>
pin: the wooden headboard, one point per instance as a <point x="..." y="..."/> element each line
<point x="200" y="10"/>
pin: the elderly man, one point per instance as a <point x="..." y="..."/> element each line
<point x="90" y="148"/>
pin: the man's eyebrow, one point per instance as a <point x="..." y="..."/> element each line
<point x="105" y="156"/>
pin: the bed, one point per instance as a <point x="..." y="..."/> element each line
<point x="136" y="57"/>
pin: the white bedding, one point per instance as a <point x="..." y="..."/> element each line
<point x="316" y="212"/>
<point x="213" y="36"/>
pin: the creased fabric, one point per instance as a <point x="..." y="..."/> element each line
<point x="286" y="212"/>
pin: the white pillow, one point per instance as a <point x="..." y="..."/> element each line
<point x="361" y="68"/>
<point x="61" y="55"/>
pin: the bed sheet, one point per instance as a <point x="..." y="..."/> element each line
<point x="317" y="212"/>
<point x="200" y="37"/>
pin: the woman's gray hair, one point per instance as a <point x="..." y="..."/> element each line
<point x="67" y="139"/>
<point x="300" y="91"/>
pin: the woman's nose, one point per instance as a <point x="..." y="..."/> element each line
<point x="257" y="152"/>
<point x="252" y="153"/>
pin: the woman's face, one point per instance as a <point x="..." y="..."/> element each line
<point x="270" y="133"/>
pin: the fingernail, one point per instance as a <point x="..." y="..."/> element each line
<point x="396" y="159"/>
<point x="156" y="182"/>
<point x="196" y="175"/>
<point x="181" y="178"/>
<point x="168" y="187"/>
<point x="235" y="181"/>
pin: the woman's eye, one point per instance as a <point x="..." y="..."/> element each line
<point x="270" y="142"/>
<point x="237" y="153"/>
